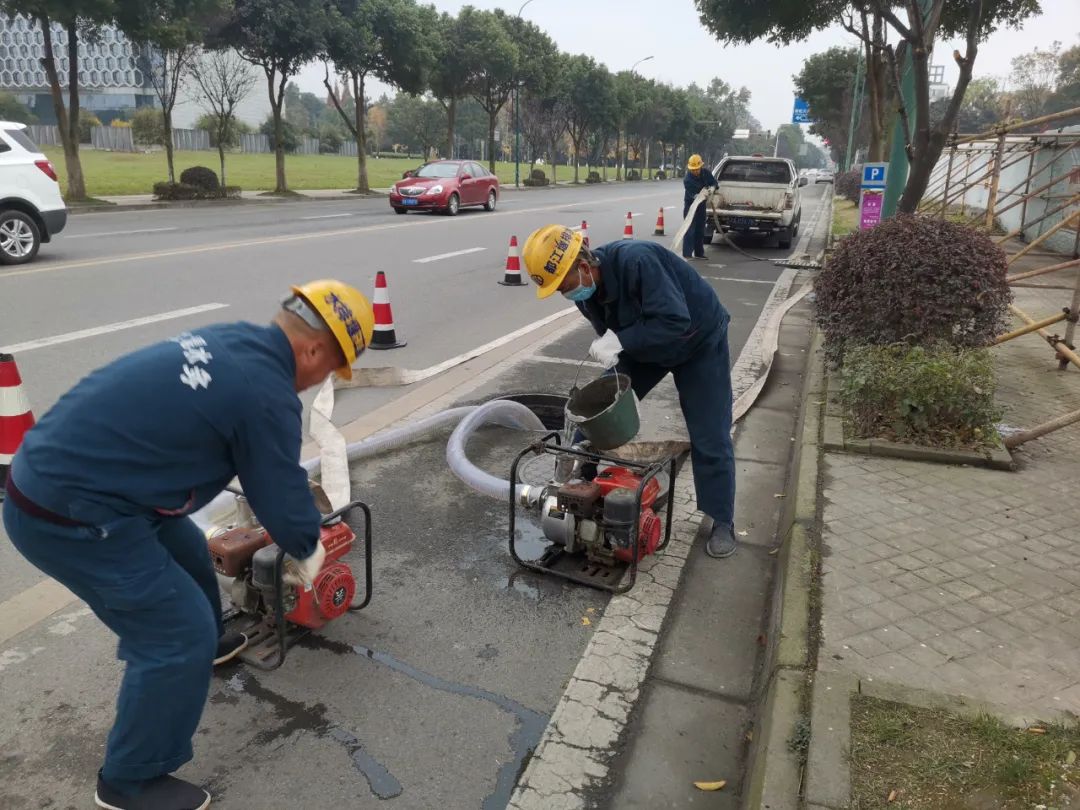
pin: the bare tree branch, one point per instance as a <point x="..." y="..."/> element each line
<point x="901" y="108"/>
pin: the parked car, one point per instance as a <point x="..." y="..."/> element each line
<point x="32" y="210"/>
<point x="823" y="177"/>
<point x="448" y="186"/>
<point x="757" y="196"/>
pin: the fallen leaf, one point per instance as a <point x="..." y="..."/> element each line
<point x="1036" y="730"/>
<point x="775" y="551"/>
<point x="710" y="785"/>
<point x="779" y="495"/>
<point x="743" y="533"/>
<point x="761" y="639"/>
<point x="590" y="610"/>
<point x="892" y="796"/>
<point x="585" y="621"/>
<point x="1071" y="758"/>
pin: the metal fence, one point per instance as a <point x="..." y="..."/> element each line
<point x="307" y="146"/>
<point x="114" y="139"/>
<point x="348" y="149"/>
<point x="44" y="135"/>
<point x="191" y="140"/>
<point x="254" y="143"/>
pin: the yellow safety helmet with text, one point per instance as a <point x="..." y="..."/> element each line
<point x="550" y="253"/>
<point x="694" y="163"/>
<point x="345" y="311"/>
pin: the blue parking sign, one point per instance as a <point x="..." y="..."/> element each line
<point x="874" y="175"/>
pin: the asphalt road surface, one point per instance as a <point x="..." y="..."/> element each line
<point x="437" y="689"/>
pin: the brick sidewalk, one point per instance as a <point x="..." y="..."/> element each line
<point x="962" y="580"/>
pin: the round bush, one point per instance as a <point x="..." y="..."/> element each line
<point x="538" y="174"/>
<point x="201" y="178"/>
<point x="914" y="280"/>
<point x="847" y="185"/>
<point x="633" y="174"/>
<point x="594" y="177"/>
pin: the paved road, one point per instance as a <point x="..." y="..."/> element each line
<point x="455" y="685"/>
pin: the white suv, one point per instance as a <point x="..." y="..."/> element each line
<point x="31" y="208"/>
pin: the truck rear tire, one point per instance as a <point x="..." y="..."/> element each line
<point x="783" y="239"/>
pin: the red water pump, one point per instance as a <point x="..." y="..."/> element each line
<point x="271" y="613"/>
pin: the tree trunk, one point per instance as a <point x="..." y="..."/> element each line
<point x="645" y="168"/>
<point x="361" y="136"/>
<point x="221" y="159"/>
<point x="166" y="115"/>
<point x="577" y="161"/>
<point x="491" y="139"/>
<point x="76" y="185"/>
<point x="618" y="154"/>
<point x="451" y="122"/>
<point x="277" y="99"/>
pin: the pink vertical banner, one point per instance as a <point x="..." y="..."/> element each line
<point x="870" y="201"/>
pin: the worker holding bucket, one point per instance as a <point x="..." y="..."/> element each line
<point x="654" y="316"/>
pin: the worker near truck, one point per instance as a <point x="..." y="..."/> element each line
<point x="654" y="315"/>
<point x="99" y="493"/>
<point x="697" y="179"/>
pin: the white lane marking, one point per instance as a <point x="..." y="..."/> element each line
<point x="668" y="207"/>
<point x="41" y="343"/>
<point x="410" y="376"/>
<point x="741" y="280"/>
<point x="329" y="216"/>
<point x="450" y="255"/>
<point x="118" y="233"/>
<point x="566" y="361"/>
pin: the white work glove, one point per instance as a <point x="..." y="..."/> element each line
<point x="704" y="193"/>
<point x="303" y="572"/>
<point x="606" y="349"/>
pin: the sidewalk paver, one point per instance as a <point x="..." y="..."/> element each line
<point x="963" y="580"/>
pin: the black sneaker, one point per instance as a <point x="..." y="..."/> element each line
<point x="229" y="646"/>
<point x="721" y="542"/>
<point x="163" y="793"/>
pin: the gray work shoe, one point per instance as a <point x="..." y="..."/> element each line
<point x="721" y="542"/>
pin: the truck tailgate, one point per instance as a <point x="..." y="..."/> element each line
<point x="750" y="196"/>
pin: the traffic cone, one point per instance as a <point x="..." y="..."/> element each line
<point x="384" y="337"/>
<point x="15" y="415"/>
<point x="628" y="229"/>
<point x="512" y="277"/>
<point x="659" y="223"/>
<point x="584" y="233"/>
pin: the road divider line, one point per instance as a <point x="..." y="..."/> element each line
<point x="117" y="233"/>
<point x="68" y="337"/>
<point x="741" y="280"/>
<point x="329" y="216"/>
<point x="299" y="237"/>
<point x="450" y="255"/>
<point x="35" y="604"/>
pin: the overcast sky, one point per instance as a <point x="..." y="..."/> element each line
<point x="619" y="32"/>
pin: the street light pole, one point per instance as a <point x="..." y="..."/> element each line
<point x="517" y="120"/>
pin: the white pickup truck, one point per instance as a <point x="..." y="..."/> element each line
<point x="756" y="196"/>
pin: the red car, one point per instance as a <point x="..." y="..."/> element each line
<point x="446" y="185"/>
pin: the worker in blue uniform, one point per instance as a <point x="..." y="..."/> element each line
<point x="655" y="316"/>
<point x="696" y="179"/>
<point x="99" y="492"/>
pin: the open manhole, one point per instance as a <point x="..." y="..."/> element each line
<point x="551" y="408"/>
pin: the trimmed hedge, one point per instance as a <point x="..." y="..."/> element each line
<point x="913" y="280"/>
<point x="847" y="184"/>
<point x="594" y="177"/>
<point x="185" y="191"/>
<point x="200" y="177"/>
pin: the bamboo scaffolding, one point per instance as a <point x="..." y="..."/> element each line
<point x="1035" y="326"/>
<point x="1003" y="129"/>
<point x="1042" y="271"/>
<point x="1063" y="351"/>
<point x="1045" y="215"/>
<point x="1035" y="243"/>
<point x="1017" y="439"/>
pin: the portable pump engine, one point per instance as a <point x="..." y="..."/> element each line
<point x="601" y="514"/>
<point x="597" y="517"/>
<point x="271" y="613"/>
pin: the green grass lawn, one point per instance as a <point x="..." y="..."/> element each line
<point x="845" y="217"/>
<point x="906" y="758"/>
<point x="115" y="173"/>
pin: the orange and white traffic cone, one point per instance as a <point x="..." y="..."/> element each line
<point x="512" y="276"/>
<point x="659" y="223"/>
<point x="628" y="228"/>
<point x="584" y="233"/>
<point x="15" y="415"/>
<point x="384" y="337"/>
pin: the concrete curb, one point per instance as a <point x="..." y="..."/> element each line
<point x="775" y="768"/>
<point x="834" y="440"/>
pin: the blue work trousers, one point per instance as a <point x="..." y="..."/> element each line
<point x="694" y="239"/>
<point x="152" y="583"/>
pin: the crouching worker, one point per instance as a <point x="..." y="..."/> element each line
<point x="655" y="316"/>
<point x="98" y="493"/>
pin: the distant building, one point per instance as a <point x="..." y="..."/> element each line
<point x="109" y="81"/>
<point x="111" y="85"/>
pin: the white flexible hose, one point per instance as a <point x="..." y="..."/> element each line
<point x="500" y="411"/>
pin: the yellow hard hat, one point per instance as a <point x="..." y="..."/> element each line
<point x="345" y="312"/>
<point x="550" y="253"/>
<point x="695" y="162"/>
